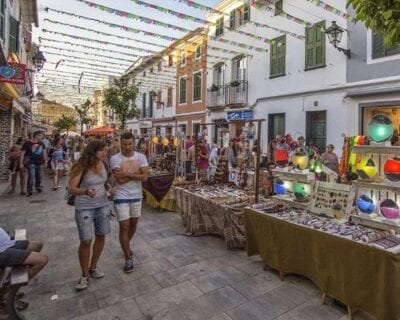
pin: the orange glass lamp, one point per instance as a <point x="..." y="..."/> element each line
<point x="154" y="139"/>
<point x="391" y="169"/>
<point x="176" y="142"/>
<point x="165" y="141"/>
<point x="366" y="169"/>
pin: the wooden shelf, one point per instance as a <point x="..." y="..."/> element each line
<point x="296" y="175"/>
<point x="293" y="203"/>
<point x="377" y="223"/>
<point x="376" y="149"/>
<point x="377" y="186"/>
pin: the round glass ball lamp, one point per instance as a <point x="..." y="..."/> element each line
<point x="380" y="128"/>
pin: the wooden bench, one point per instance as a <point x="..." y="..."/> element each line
<point x="11" y="279"/>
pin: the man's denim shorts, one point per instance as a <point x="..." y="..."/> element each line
<point x="87" y="218"/>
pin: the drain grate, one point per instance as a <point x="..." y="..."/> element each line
<point x="37" y="201"/>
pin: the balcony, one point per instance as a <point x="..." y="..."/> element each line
<point x="236" y="94"/>
<point x="216" y="97"/>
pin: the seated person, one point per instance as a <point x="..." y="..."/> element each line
<point x="21" y="252"/>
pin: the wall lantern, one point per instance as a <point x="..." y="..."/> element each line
<point x="335" y="34"/>
<point x="39" y="60"/>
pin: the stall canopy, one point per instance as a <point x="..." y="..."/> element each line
<point x="101" y="131"/>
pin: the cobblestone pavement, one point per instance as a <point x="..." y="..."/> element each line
<point x="176" y="277"/>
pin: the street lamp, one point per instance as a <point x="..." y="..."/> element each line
<point x="335" y="34"/>
<point x="39" y="60"/>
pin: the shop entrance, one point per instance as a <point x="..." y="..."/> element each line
<point x="276" y="125"/>
<point x="316" y="129"/>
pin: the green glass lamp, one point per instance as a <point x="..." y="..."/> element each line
<point x="380" y="128"/>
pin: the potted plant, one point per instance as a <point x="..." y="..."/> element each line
<point x="235" y="83"/>
<point x="214" y="88"/>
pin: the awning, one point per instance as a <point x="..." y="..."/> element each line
<point x="101" y="131"/>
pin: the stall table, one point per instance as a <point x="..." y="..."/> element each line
<point x="202" y="216"/>
<point x="359" y="275"/>
<point x="158" y="192"/>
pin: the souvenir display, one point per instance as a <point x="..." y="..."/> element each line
<point x="389" y="209"/>
<point x="366" y="169"/>
<point x="365" y="204"/>
<point x="392" y="169"/>
<point x="279" y="187"/>
<point x="300" y="159"/>
<point x="380" y="128"/>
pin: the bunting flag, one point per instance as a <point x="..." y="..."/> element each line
<point x="116" y="68"/>
<point x="51" y="78"/>
<point x="134" y="16"/>
<point x="253" y="36"/>
<point x="104" y="33"/>
<point x="68" y="72"/>
<point x="87" y="53"/>
<point x="179" y="15"/>
<point x="99" y="41"/>
<point x="238" y="44"/>
<point x="332" y="9"/>
<point x="63" y="85"/>
<point x="89" y="68"/>
<point x="202" y="7"/>
<point x="88" y="47"/>
<point x="266" y="6"/>
<point x="84" y="58"/>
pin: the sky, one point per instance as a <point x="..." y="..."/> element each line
<point x="59" y="72"/>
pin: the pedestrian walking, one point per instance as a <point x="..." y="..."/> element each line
<point x="88" y="182"/>
<point x="58" y="161"/>
<point x="16" y="168"/>
<point x="130" y="169"/>
<point x="33" y="156"/>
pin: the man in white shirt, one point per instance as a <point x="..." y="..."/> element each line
<point x="130" y="168"/>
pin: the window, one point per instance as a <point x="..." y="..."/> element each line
<point x="380" y="50"/>
<point x="159" y="66"/>
<point x="170" y="61"/>
<point x="2" y="18"/>
<point x="183" y="58"/>
<point x="144" y="105"/>
<point x="278" y="56"/>
<point x="315" y="46"/>
<point x="14" y="35"/>
<point x="151" y="100"/>
<point x="239" y="67"/>
<point x="197" y="86"/>
<point x="144" y="74"/>
<point x="198" y="52"/>
<point x="219" y="27"/>
<point x="169" y="97"/>
<point x="158" y="99"/>
<point x="182" y="90"/>
<point x="219" y="75"/>
<point x="278" y="7"/>
<point x="239" y="16"/>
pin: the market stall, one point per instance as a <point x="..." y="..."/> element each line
<point x="216" y="210"/>
<point x="342" y="259"/>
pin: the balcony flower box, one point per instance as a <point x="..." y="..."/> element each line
<point x="235" y="83"/>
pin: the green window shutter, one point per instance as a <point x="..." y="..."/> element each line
<point x="310" y="47"/>
<point x="320" y="44"/>
<point x="278" y="57"/>
<point x="246" y="12"/>
<point x="278" y="7"/>
<point x="2" y="19"/>
<point x="232" y="20"/>
<point x="182" y="90"/>
<point x="219" y="29"/>
<point x="197" y="87"/>
<point x="13" y="44"/>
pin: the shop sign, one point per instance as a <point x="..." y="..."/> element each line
<point x="145" y="124"/>
<point x="13" y="73"/>
<point x="240" y="115"/>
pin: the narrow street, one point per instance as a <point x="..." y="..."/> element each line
<point x="176" y="277"/>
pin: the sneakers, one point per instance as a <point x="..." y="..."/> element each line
<point x="128" y="265"/>
<point x="29" y="194"/>
<point x="96" y="273"/>
<point x="39" y="190"/>
<point x="82" y="284"/>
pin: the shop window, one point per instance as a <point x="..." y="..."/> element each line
<point x="219" y="28"/>
<point x="380" y="50"/>
<point x="315" y="46"/>
<point x="182" y="90"/>
<point x="278" y="57"/>
<point x="197" y="86"/>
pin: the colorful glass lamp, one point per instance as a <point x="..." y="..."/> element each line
<point x="281" y="157"/>
<point x="279" y="187"/>
<point x="154" y="139"/>
<point x="365" y="204"/>
<point x="300" y="159"/>
<point x="366" y="168"/>
<point x="391" y="169"/>
<point x="380" y="128"/>
<point x="389" y="209"/>
<point x="165" y="142"/>
<point x="299" y="191"/>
